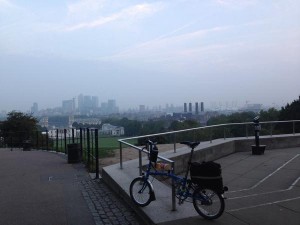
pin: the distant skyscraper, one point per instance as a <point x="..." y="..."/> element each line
<point x="34" y="108"/>
<point x="68" y="106"/>
<point x="80" y="102"/>
<point x="142" y="108"/>
<point x="202" y="106"/>
<point x="95" y="102"/>
<point x="87" y="102"/>
<point x="112" y="106"/>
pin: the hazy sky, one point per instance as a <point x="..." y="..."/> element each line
<point x="149" y="52"/>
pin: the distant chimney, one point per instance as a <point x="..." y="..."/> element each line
<point x="197" y="108"/>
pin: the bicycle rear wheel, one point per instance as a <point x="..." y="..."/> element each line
<point x="140" y="191"/>
<point x="208" y="203"/>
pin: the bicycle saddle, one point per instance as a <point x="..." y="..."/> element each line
<point x="191" y="144"/>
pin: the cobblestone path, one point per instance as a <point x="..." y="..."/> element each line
<point x="107" y="208"/>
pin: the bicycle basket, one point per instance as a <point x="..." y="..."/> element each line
<point x="207" y="175"/>
<point x="153" y="154"/>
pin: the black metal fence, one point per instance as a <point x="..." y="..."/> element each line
<point x="58" y="140"/>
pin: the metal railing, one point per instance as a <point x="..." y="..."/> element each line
<point x="58" y="140"/>
<point x="209" y="133"/>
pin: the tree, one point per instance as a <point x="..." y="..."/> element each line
<point x="289" y="112"/>
<point x="18" y="127"/>
<point x="271" y="114"/>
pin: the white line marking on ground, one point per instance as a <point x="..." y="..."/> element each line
<point x="265" y="193"/>
<point x="264" y="204"/>
<point x="271" y="174"/>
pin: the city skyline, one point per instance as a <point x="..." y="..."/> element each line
<point x="211" y="106"/>
<point x="150" y="53"/>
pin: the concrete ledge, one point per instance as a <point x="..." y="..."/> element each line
<point x="160" y="210"/>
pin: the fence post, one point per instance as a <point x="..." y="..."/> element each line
<point x="174" y="142"/>
<point x="73" y="138"/>
<point x="210" y="134"/>
<point x="121" y="156"/>
<point x="92" y="138"/>
<point x="37" y="139"/>
<point x="140" y="163"/>
<point x="173" y="188"/>
<point x="65" y="140"/>
<point x="97" y="153"/>
<point x="246" y="131"/>
<point x="81" y="144"/>
<point x="56" y="140"/>
<point x="88" y="147"/>
<point x="224" y="133"/>
<point x="47" y="141"/>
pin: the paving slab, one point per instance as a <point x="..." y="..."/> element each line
<point x="41" y="188"/>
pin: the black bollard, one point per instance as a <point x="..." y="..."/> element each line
<point x="257" y="149"/>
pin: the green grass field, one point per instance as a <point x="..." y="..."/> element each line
<point x="107" y="145"/>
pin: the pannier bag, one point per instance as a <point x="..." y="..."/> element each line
<point x="207" y="175"/>
<point x="153" y="154"/>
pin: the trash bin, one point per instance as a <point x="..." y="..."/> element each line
<point x="73" y="153"/>
<point x="26" y="145"/>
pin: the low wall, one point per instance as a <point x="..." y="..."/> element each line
<point x="271" y="142"/>
<point x="229" y="146"/>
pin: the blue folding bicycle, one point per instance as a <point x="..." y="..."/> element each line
<point x="204" y="189"/>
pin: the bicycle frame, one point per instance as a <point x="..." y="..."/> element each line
<point x="185" y="185"/>
<point x="142" y="192"/>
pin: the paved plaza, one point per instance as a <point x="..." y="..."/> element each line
<point x="41" y="188"/>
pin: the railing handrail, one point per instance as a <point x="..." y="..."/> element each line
<point x="199" y="128"/>
<point x="123" y="140"/>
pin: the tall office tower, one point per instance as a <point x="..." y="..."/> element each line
<point x="112" y="106"/>
<point x="80" y="102"/>
<point x="190" y="107"/>
<point x="68" y="106"/>
<point x="197" y="108"/>
<point x="202" y="106"/>
<point x="95" y="102"/>
<point x="142" y="108"/>
<point x="34" y="108"/>
<point x="87" y="102"/>
<point x="185" y="107"/>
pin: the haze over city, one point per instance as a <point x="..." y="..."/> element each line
<point x="149" y="52"/>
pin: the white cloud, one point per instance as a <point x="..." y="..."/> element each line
<point x="133" y="12"/>
<point x="85" y="6"/>
<point x="5" y="3"/>
<point x="165" y="47"/>
<point x="236" y="3"/>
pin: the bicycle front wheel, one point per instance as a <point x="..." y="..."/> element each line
<point x="208" y="203"/>
<point x="140" y="191"/>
